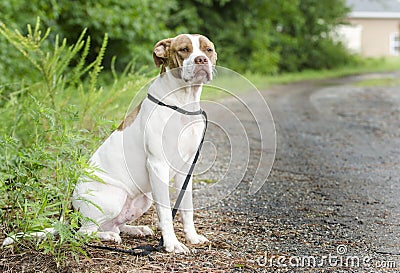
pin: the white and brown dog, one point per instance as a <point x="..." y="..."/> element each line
<point x="151" y="147"/>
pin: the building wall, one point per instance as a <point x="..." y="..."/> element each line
<point x="376" y="36"/>
<point x="350" y="36"/>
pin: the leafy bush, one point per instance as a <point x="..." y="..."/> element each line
<point x="264" y="59"/>
<point x="133" y="27"/>
<point x="49" y="128"/>
<point x="302" y="33"/>
<point x="258" y="36"/>
<point x="267" y="36"/>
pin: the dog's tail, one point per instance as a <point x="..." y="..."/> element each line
<point x="39" y="235"/>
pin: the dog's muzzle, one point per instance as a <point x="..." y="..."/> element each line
<point x="199" y="72"/>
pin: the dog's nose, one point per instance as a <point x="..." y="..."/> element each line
<point x="201" y="60"/>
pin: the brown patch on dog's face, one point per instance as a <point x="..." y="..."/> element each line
<point x="181" y="48"/>
<point x="172" y="52"/>
<point x="208" y="48"/>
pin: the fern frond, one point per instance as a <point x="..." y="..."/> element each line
<point x="98" y="64"/>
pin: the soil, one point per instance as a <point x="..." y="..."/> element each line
<point x="331" y="202"/>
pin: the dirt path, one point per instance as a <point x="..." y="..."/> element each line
<point x="334" y="189"/>
<point x="331" y="203"/>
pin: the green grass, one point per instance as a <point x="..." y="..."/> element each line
<point x="204" y="180"/>
<point x="228" y="81"/>
<point x="364" y="66"/>
<point x="384" y="82"/>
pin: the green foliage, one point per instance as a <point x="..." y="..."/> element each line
<point x="50" y="125"/>
<point x="302" y="34"/>
<point x="267" y="36"/>
<point x="133" y="26"/>
<point x="263" y="58"/>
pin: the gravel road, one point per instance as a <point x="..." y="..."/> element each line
<point x="334" y="188"/>
<point x="331" y="202"/>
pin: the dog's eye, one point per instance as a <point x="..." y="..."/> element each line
<point x="210" y="49"/>
<point x="185" y="49"/>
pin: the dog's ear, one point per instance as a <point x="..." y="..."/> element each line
<point x="214" y="58"/>
<point x="160" y="52"/>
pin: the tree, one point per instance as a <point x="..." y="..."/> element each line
<point x="266" y="36"/>
<point x="132" y="26"/>
<point x="269" y="35"/>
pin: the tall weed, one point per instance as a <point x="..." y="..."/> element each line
<point x="51" y="121"/>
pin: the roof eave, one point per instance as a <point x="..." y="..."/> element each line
<point x="374" y="15"/>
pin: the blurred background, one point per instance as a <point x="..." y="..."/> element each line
<point x="265" y="37"/>
<point x="269" y="36"/>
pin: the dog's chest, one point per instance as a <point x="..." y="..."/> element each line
<point x="181" y="139"/>
<point x="190" y="134"/>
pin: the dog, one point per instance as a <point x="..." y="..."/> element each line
<point x="152" y="146"/>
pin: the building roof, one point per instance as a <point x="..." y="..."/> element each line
<point x="374" y="8"/>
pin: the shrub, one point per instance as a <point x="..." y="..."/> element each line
<point x="133" y="26"/>
<point x="259" y="36"/>
<point x="50" y="125"/>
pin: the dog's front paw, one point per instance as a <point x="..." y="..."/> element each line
<point x="195" y="238"/>
<point x="175" y="246"/>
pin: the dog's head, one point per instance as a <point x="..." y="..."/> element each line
<point x="188" y="57"/>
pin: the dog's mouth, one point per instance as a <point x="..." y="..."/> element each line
<point x="203" y="74"/>
<point x="200" y="74"/>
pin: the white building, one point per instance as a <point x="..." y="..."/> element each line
<point x="374" y="27"/>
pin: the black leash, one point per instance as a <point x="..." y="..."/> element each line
<point x="178" y="109"/>
<point x="148" y="249"/>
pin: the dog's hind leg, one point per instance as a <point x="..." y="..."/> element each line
<point x="134" y="209"/>
<point x="139" y="231"/>
<point x="100" y="204"/>
<point x="102" y="235"/>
